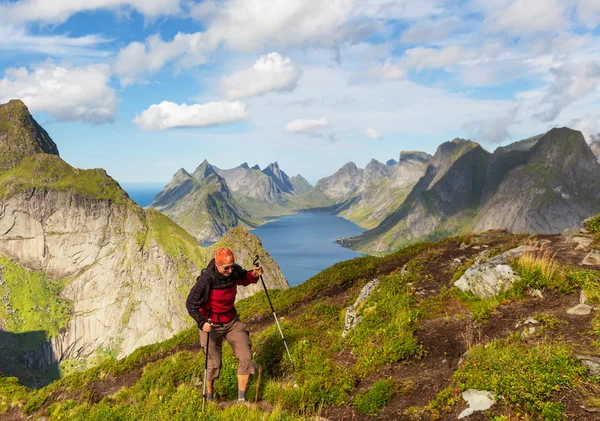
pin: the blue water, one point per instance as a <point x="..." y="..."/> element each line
<point x="142" y="193"/>
<point x="302" y="244"/>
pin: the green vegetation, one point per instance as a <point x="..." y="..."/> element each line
<point x="163" y="381"/>
<point x="44" y="171"/>
<point x="12" y="392"/>
<point x="386" y="331"/>
<point x="371" y="402"/>
<point x="524" y="374"/>
<point x="31" y="303"/>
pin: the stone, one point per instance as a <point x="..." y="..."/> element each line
<point x="583" y="297"/>
<point x="591" y="363"/>
<point x="580" y="310"/>
<point x="583" y="242"/>
<point x="478" y="400"/>
<point x="351" y="318"/>
<point x="592" y="258"/>
<point x="487" y="278"/>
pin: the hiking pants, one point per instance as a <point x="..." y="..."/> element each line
<point x="238" y="337"/>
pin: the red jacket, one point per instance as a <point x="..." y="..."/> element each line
<point x="213" y="294"/>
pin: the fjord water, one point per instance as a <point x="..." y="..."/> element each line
<point x="302" y="244"/>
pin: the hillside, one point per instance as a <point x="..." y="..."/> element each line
<point x="85" y="273"/>
<point x="420" y="342"/>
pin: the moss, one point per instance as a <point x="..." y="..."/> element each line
<point x="44" y="171"/>
<point x="32" y="303"/>
<point x="12" y="393"/>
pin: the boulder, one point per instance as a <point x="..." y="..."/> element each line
<point x="351" y="318"/>
<point x="488" y="277"/>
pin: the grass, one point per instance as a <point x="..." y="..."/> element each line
<point x="372" y="401"/>
<point x="32" y="303"/>
<point x="376" y="343"/>
<point x="44" y="171"/>
<point x="525" y="375"/>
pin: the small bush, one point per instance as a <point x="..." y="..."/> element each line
<point x="371" y="402"/>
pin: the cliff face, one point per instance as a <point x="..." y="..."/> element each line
<point x="556" y="186"/>
<point x="126" y="271"/>
<point x="543" y="184"/>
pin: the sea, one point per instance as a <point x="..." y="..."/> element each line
<point x="302" y="244"/>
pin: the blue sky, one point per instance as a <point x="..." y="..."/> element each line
<point x="143" y="88"/>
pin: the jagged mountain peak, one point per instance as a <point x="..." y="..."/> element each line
<point x="21" y="135"/>
<point x="279" y="177"/>
<point x="203" y="171"/>
<point x="256" y="167"/>
<point x="414" y="156"/>
<point x="391" y="162"/>
<point x="244" y="166"/>
<point x="560" y="146"/>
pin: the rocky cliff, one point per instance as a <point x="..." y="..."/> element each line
<point x="125" y="271"/>
<point x="543" y="184"/>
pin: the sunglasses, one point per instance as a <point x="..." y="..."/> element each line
<point x="228" y="267"/>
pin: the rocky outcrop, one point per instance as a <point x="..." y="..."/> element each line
<point x="343" y="184"/>
<point x="351" y="318"/>
<point x="21" y="135"/>
<point x="595" y="146"/>
<point x="487" y="278"/>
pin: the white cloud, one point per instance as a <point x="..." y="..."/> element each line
<point x="271" y="73"/>
<point x="136" y="59"/>
<point x="429" y="31"/>
<point x="589" y="12"/>
<point x="572" y="81"/>
<point x="491" y="130"/>
<point x="16" y="39"/>
<point x="68" y="93"/>
<point x="306" y="126"/>
<point x="387" y="71"/>
<point x="589" y="126"/>
<point x="425" y="58"/>
<point x="247" y="25"/>
<point x="373" y="133"/>
<point x="530" y="16"/>
<point x="58" y="11"/>
<point x="168" y="115"/>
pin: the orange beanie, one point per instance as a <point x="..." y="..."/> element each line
<point x="224" y="256"/>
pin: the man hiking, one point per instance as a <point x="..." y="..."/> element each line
<point x="211" y="304"/>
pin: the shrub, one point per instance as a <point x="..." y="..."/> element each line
<point x="371" y="402"/>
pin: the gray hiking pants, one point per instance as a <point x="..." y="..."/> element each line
<point x="238" y="337"/>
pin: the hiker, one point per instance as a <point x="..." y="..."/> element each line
<point x="212" y="298"/>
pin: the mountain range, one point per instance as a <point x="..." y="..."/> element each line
<point x="542" y="184"/>
<point x="83" y="269"/>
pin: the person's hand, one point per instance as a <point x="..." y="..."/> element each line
<point x="206" y="327"/>
<point x="257" y="271"/>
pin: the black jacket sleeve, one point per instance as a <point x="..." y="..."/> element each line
<point x="196" y="299"/>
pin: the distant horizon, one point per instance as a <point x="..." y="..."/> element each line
<point x="142" y="89"/>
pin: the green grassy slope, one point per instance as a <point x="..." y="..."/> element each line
<point x="400" y="332"/>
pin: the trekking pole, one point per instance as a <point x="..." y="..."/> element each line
<point x="205" y="367"/>
<point x="274" y="314"/>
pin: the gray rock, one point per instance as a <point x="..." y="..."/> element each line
<point x="591" y="363"/>
<point x="592" y="258"/>
<point x="478" y="400"/>
<point x="351" y="318"/>
<point x="580" y="310"/>
<point x="488" y="278"/>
